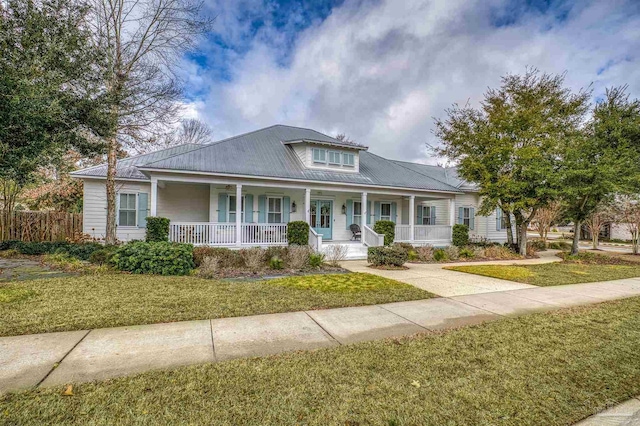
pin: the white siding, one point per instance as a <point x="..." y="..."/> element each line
<point x="619" y="231"/>
<point x="301" y="152"/>
<point x="95" y="209"/>
<point x="184" y="202"/>
<point x="310" y="164"/>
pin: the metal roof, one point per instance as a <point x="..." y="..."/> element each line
<point x="264" y="153"/>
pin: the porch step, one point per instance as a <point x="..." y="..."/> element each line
<point x="354" y="251"/>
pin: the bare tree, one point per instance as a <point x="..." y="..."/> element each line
<point x="190" y="131"/>
<point x="627" y="212"/>
<point x="546" y="217"/>
<point x="344" y="138"/>
<point x="143" y="41"/>
<point x="594" y="223"/>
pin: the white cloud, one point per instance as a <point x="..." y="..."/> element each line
<point x="380" y="71"/>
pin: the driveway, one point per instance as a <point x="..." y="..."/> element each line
<point x="432" y="278"/>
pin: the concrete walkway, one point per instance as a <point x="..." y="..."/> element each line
<point x="78" y="356"/>
<point x="434" y="279"/>
<point x="625" y="414"/>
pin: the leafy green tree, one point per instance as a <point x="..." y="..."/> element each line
<point x="510" y="146"/>
<point x="603" y="161"/>
<point x="48" y="99"/>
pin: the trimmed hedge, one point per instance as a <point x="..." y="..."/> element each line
<point x="388" y="228"/>
<point x="80" y="251"/>
<point x="387" y="256"/>
<point x="157" y="229"/>
<point x="298" y="233"/>
<point x="460" y="235"/>
<point x="160" y="257"/>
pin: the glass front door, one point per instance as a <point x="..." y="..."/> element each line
<point x="322" y="217"/>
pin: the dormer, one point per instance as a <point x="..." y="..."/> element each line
<point x="323" y="155"/>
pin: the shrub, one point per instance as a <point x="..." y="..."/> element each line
<point x="439" y="255"/>
<point x="404" y="246"/>
<point x="276" y="251"/>
<point x="460" y="235"/>
<point x="62" y="260"/>
<point x="467" y="252"/>
<point x="8" y="245"/>
<point x="253" y="258"/>
<point x="388" y="229"/>
<point x="158" y="257"/>
<point x="82" y="251"/>
<point x="536" y="245"/>
<point x="298" y="257"/>
<point x="102" y="256"/>
<point x="412" y="255"/>
<point x="386" y="256"/>
<point x="425" y="253"/>
<point x="560" y="245"/>
<point x="531" y="250"/>
<point x="316" y="260"/>
<point x="499" y="252"/>
<point x="209" y="267"/>
<point x="226" y="258"/>
<point x="336" y="253"/>
<point x="298" y="233"/>
<point x="276" y="263"/>
<point x="453" y="252"/>
<point x="478" y="252"/>
<point x="157" y="229"/>
<point x="9" y="253"/>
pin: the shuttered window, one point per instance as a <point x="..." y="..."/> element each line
<point x="274" y="212"/>
<point x="127" y="210"/>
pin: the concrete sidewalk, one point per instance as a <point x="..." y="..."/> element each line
<point x="78" y="356"/>
<point x="625" y="414"/>
<point x="434" y="279"/>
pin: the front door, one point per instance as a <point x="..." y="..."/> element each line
<point x="322" y="217"/>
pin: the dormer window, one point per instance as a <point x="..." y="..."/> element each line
<point x="334" y="157"/>
<point x="319" y="155"/>
<point x="348" y="159"/>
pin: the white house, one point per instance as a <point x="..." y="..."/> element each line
<point x="280" y="174"/>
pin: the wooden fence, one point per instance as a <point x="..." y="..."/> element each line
<point x="40" y="226"/>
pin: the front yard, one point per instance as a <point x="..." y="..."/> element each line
<point x="588" y="267"/>
<point x="96" y="301"/>
<point x="552" y="368"/>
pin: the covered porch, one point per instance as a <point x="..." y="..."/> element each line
<point x="204" y="213"/>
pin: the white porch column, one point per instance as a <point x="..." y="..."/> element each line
<point x="307" y="206"/>
<point x="412" y="217"/>
<point x="452" y="215"/>
<point x="153" y="209"/>
<point x="365" y="212"/>
<point x="238" y="215"/>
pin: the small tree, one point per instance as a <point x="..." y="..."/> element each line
<point x="594" y="223"/>
<point x="627" y="212"/>
<point x="460" y="235"/>
<point x="546" y="217"/>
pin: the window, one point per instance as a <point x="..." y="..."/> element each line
<point x="466" y="217"/>
<point x="232" y="209"/>
<point x="348" y="159"/>
<point x="501" y="220"/>
<point x="357" y="212"/>
<point x="385" y="211"/>
<point x="334" y="157"/>
<point x="426" y="215"/>
<point x="319" y="155"/>
<point x="127" y="210"/>
<point x="274" y="210"/>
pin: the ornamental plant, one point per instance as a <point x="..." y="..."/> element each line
<point x="388" y="229"/>
<point x="387" y="256"/>
<point x="460" y="235"/>
<point x="161" y="257"/>
<point x="298" y="233"/>
<point x="157" y="229"/>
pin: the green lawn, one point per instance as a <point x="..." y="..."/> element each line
<point x="550" y="274"/>
<point x="95" y="301"/>
<point x="551" y="368"/>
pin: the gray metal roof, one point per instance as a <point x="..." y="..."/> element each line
<point x="448" y="175"/>
<point x="264" y="153"/>
<point x="127" y="167"/>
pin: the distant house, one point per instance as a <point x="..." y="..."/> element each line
<point x="280" y="174"/>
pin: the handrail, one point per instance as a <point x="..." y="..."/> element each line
<point x="315" y="240"/>
<point x="370" y="238"/>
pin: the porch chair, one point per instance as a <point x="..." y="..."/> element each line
<point x="355" y="232"/>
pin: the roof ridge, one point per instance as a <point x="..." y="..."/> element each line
<point x="415" y="171"/>
<point x="135" y="156"/>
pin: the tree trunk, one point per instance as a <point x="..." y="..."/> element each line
<point x="595" y="236"/>
<point x="110" y="237"/>
<point x="634" y="242"/>
<point x="507" y="216"/>
<point x="576" y="237"/>
<point x="522" y="239"/>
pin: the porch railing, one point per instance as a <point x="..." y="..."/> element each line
<point x="315" y="240"/>
<point x="370" y="238"/>
<point x="224" y="234"/>
<point x="423" y="233"/>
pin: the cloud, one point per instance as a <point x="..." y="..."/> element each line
<point x="380" y="71"/>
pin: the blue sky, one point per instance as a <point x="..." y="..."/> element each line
<point x="381" y="70"/>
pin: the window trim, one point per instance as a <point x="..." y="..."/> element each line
<point x="281" y="212"/>
<point x="229" y="204"/>
<point x="337" y="154"/>
<point x="353" y="219"/>
<point x="382" y="217"/>
<point x="502" y="221"/>
<point x="351" y="156"/>
<point x="135" y="194"/>
<point x="466" y="216"/>
<point x="319" y="150"/>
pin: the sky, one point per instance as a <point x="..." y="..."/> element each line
<point x="380" y="71"/>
